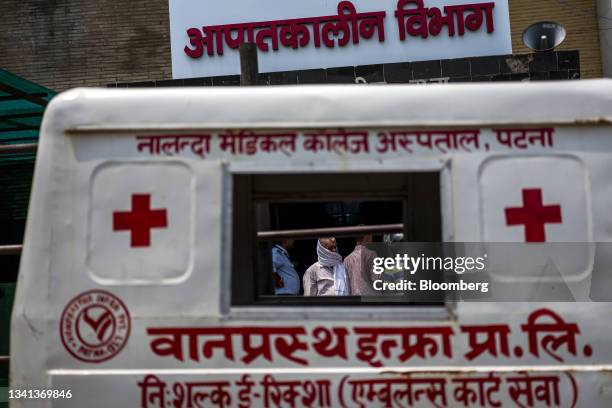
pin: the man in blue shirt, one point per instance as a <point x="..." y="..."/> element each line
<point x="286" y="279"/>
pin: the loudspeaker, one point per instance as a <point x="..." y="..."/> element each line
<point x="544" y="36"/>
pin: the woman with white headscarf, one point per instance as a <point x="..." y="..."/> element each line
<point x="327" y="276"/>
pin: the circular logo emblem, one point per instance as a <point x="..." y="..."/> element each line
<point x="95" y="326"/>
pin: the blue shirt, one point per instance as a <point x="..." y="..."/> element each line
<point x="282" y="265"/>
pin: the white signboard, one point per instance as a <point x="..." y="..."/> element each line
<point x="206" y="34"/>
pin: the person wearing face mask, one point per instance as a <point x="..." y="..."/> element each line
<point x="327" y="276"/>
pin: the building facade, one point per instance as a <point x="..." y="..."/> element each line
<point x="68" y="43"/>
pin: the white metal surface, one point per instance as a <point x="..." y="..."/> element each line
<point x="575" y="102"/>
<point x="92" y="151"/>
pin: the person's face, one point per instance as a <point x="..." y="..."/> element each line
<point x="368" y="239"/>
<point x="288" y="243"/>
<point x="330" y="244"/>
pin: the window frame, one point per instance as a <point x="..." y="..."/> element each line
<point x="366" y="312"/>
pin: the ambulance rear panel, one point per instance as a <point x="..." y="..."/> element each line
<point x="127" y="292"/>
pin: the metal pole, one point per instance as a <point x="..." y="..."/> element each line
<point x="18" y="148"/>
<point x="23" y="95"/>
<point x="328" y="232"/>
<point x="249" y="68"/>
<point x="299" y="233"/>
<point x="10" y="249"/>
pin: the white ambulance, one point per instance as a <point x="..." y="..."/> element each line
<point x="145" y="279"/>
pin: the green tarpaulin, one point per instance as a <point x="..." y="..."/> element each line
<point x="22" y="104"/>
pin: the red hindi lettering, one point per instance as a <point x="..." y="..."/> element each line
<point x="345" y="25"/>
<point x="365" y="393"/>
<point x="339" y="141"/>
<point x="171" y="145"/>
<point x="225" y="343"/>
<point x="295" y="393"/>
<point x="434" y="388"/>
<point x="253" y="352"/>
<point x="325" y="338"/>
<point x="200" y="39"/>
<point x="200" y="394"/>
<point x="543" y="137"/>
<point x="525" y="390"/>
<point x="426" y="344"/>
<point x="284" y="347"/>
<point x="493" y="337"/>
<point x="287" y="348"/>
<point x="550" y="336"/>
<point x="421" y="342"/>
<point x="234" y="34"/>
<point x="200" y="145"/>
<point x="316" y="393"/>
<point x="294" y="34"/>
<point x="480" y="13"/>
<point x="437" y="21"/>
<point x="422" y="21"/>
<point x="401" y="392"/>
<point x="389" y="141"/>
<point x="465" y="138"/>
<point x="348" y="26"/>
<point x="157" y="395"/>
<point x="178" y="391"/>
<point x="250" y="142"/>
<point x="525" y="138"/>
<point x="477" y="391"/>
<point x="268" y="31"/>
<point x="367" y="345"/>
<point x="474" y="21"/>
<point x="169" y="342"/>
<point x="150" y="143"/>
<point x="244" y="387"/>
<point x="196" y="40"/>
<point x="416" y="25"/>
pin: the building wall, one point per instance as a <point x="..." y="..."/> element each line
<point x="604" y="10"/>
<point x="555" y="65"/>
<point x="67" y="43"/>
<point x="579" y="17"/>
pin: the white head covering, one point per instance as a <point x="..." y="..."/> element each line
<point x="334" y="260"/>
<point x="327" y="257"/>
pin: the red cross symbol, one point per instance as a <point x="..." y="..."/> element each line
<point x="534" y="215"/>
<point x="140" y="220"/>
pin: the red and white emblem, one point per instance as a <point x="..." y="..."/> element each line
<point x="141" y="228"/>
<point x="534" y="215"/>
<point x="95" y="326"/>
<point x="140" y="220"/>
<point x="541" y="201"/>
<point x="534" y="199"/>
